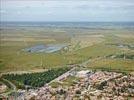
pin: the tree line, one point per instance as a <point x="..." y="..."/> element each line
<point x="36" y="79"/>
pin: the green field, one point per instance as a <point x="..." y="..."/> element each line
<point x="119" y="65"/>
<point x="69" y="81"/>
<point x="13" y="40"/>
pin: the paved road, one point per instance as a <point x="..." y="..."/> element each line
<point x="89" y="60"/>
<point x="73" y="68"/>
<point x="11" y="84"/>
<point x="13" y="87"/>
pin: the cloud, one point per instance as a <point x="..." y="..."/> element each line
<point x="3" y="11"/>
<point x="67" y="10"/>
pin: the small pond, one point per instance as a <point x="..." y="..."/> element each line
<point x="45" y="48"/>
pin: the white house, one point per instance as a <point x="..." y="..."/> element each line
<point x="82" y="73"/>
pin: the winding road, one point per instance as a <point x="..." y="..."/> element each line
<point x="12" y="86"/>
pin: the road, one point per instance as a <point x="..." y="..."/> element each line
<point x="66" y="74"/>
<point x="89" y="60"/>
<point x="13" y="88"/>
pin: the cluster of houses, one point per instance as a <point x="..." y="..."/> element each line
<point x="123" y="86"/>
<point x="99" y="85"/>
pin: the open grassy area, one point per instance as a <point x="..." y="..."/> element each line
<point x="13" y="40"/>
<point x="119" y="65"/>
<point x="69" y="81"/>
<point x="90" y="44"/>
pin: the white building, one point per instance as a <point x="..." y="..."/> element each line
<point x="83" y="73"/>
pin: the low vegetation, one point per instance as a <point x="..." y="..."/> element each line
<point x="83" y="45"/>
<point x="119" y="65"/>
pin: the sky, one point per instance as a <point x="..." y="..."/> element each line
<point x="67" y="10"/>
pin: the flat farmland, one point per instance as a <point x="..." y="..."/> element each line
<point x="83" y="44"/>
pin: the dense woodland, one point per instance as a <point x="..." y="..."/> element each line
<point x="35" y="79"/>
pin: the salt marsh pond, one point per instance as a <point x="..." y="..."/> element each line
<point x="44" y="48"/>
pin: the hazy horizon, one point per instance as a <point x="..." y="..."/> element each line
<point x="67" y="11"/>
